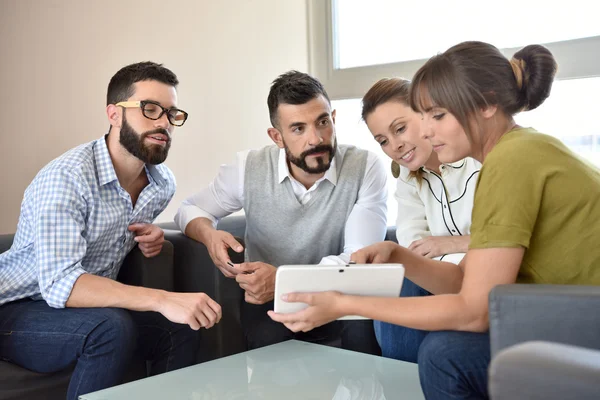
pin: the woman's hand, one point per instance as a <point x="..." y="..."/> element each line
<point x="378" y="253"/>
<point x="323" y="307"/>
<point x="435" y="246"/>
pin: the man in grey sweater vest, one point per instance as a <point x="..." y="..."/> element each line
<point x="307" y="200"/>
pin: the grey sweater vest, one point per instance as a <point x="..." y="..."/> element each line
<point x="279" y="229"/>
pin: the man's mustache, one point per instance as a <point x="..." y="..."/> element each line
<point x="157" y="130"/>
<point x="322" y="148"/>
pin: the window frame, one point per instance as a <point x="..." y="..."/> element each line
<point x="576" y="58"/>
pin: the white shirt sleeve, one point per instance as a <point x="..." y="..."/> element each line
<point x="367" y="221"/>
<point x="223" y="196"/>
<point x="454" y="258"/>
<point x="411" y="223"/>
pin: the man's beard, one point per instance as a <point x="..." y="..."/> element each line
<point x="150" y="154"/>
<point x="323" y="162"/>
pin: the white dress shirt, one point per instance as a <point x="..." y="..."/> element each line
<point x="365" y="225"/>
<point x="440" y="206"/>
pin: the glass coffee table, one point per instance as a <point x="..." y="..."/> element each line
<point x="288" y="370"/>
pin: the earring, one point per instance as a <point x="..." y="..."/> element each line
<point x="395" y="169"/>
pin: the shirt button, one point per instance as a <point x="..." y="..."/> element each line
<point x="453" y="231"/>
<point x="445" y="206"/>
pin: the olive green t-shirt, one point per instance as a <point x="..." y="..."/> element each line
<point x="535" y="193"/>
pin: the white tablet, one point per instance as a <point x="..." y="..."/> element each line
<point x="381" y="280"/>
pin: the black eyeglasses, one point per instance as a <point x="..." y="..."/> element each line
<point x="152" y="110"/>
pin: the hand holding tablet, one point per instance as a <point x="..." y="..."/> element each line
<point x="381" y="280"/>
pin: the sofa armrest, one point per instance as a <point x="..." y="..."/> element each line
<point x="555" y="313"/>
<point x="156" y="272"/>
<point x="195" y="272"/>
<point x="544" y="371"/>
<point x="5" y="242"/>
<point x="234" y="224"/>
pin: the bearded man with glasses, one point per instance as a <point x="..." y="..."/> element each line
<point x="60" y="304"/>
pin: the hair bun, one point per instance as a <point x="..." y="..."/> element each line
<point x="534" y="67"/>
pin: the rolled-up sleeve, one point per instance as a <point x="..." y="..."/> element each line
<point x="60" y="214"/>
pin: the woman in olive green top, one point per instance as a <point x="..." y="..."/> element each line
<point x="536" y="215"/>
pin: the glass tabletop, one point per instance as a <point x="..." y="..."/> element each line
<point x="288" y="370"/>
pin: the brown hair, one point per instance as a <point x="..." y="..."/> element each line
<point x="383" y="91"/>
<point x="473" y="75"/>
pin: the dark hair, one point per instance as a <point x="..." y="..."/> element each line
<point x="293" y="87"/>
<point x="120" y="87"/>
<point x="473" y="75"/>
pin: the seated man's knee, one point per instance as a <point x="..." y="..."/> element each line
<point x="266" y="333"/>
<point x="359" y="335"/>
<point x="113" y="331"/>
<point x="259" y="329"/>
<point x="183" y="335"/>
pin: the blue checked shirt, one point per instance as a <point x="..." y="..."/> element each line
<point x="74" y="219"/>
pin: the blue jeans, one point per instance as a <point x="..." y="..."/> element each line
<point x="396" y="341"/>
<point x="452" y="365"/>
<point x="99" y="342"/>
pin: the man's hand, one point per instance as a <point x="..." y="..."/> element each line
<point x="435" y="246"/>
<point x="378" y="253"/>
<point x="258" y="280"/>
<point x="194" y="309"/>
<point x="217" y="246"/>
<point x="150" y="238"/>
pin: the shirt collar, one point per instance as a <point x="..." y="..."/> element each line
<point x="104" y="165"/>
<point x="457" y="164"/>
<point x="284" y="171"/>
<point x="453" y="165"/>
<point x="106" y="169"/>
<point x="156" y="174"/>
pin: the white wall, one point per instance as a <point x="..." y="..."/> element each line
<point x="57" y="56"/>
